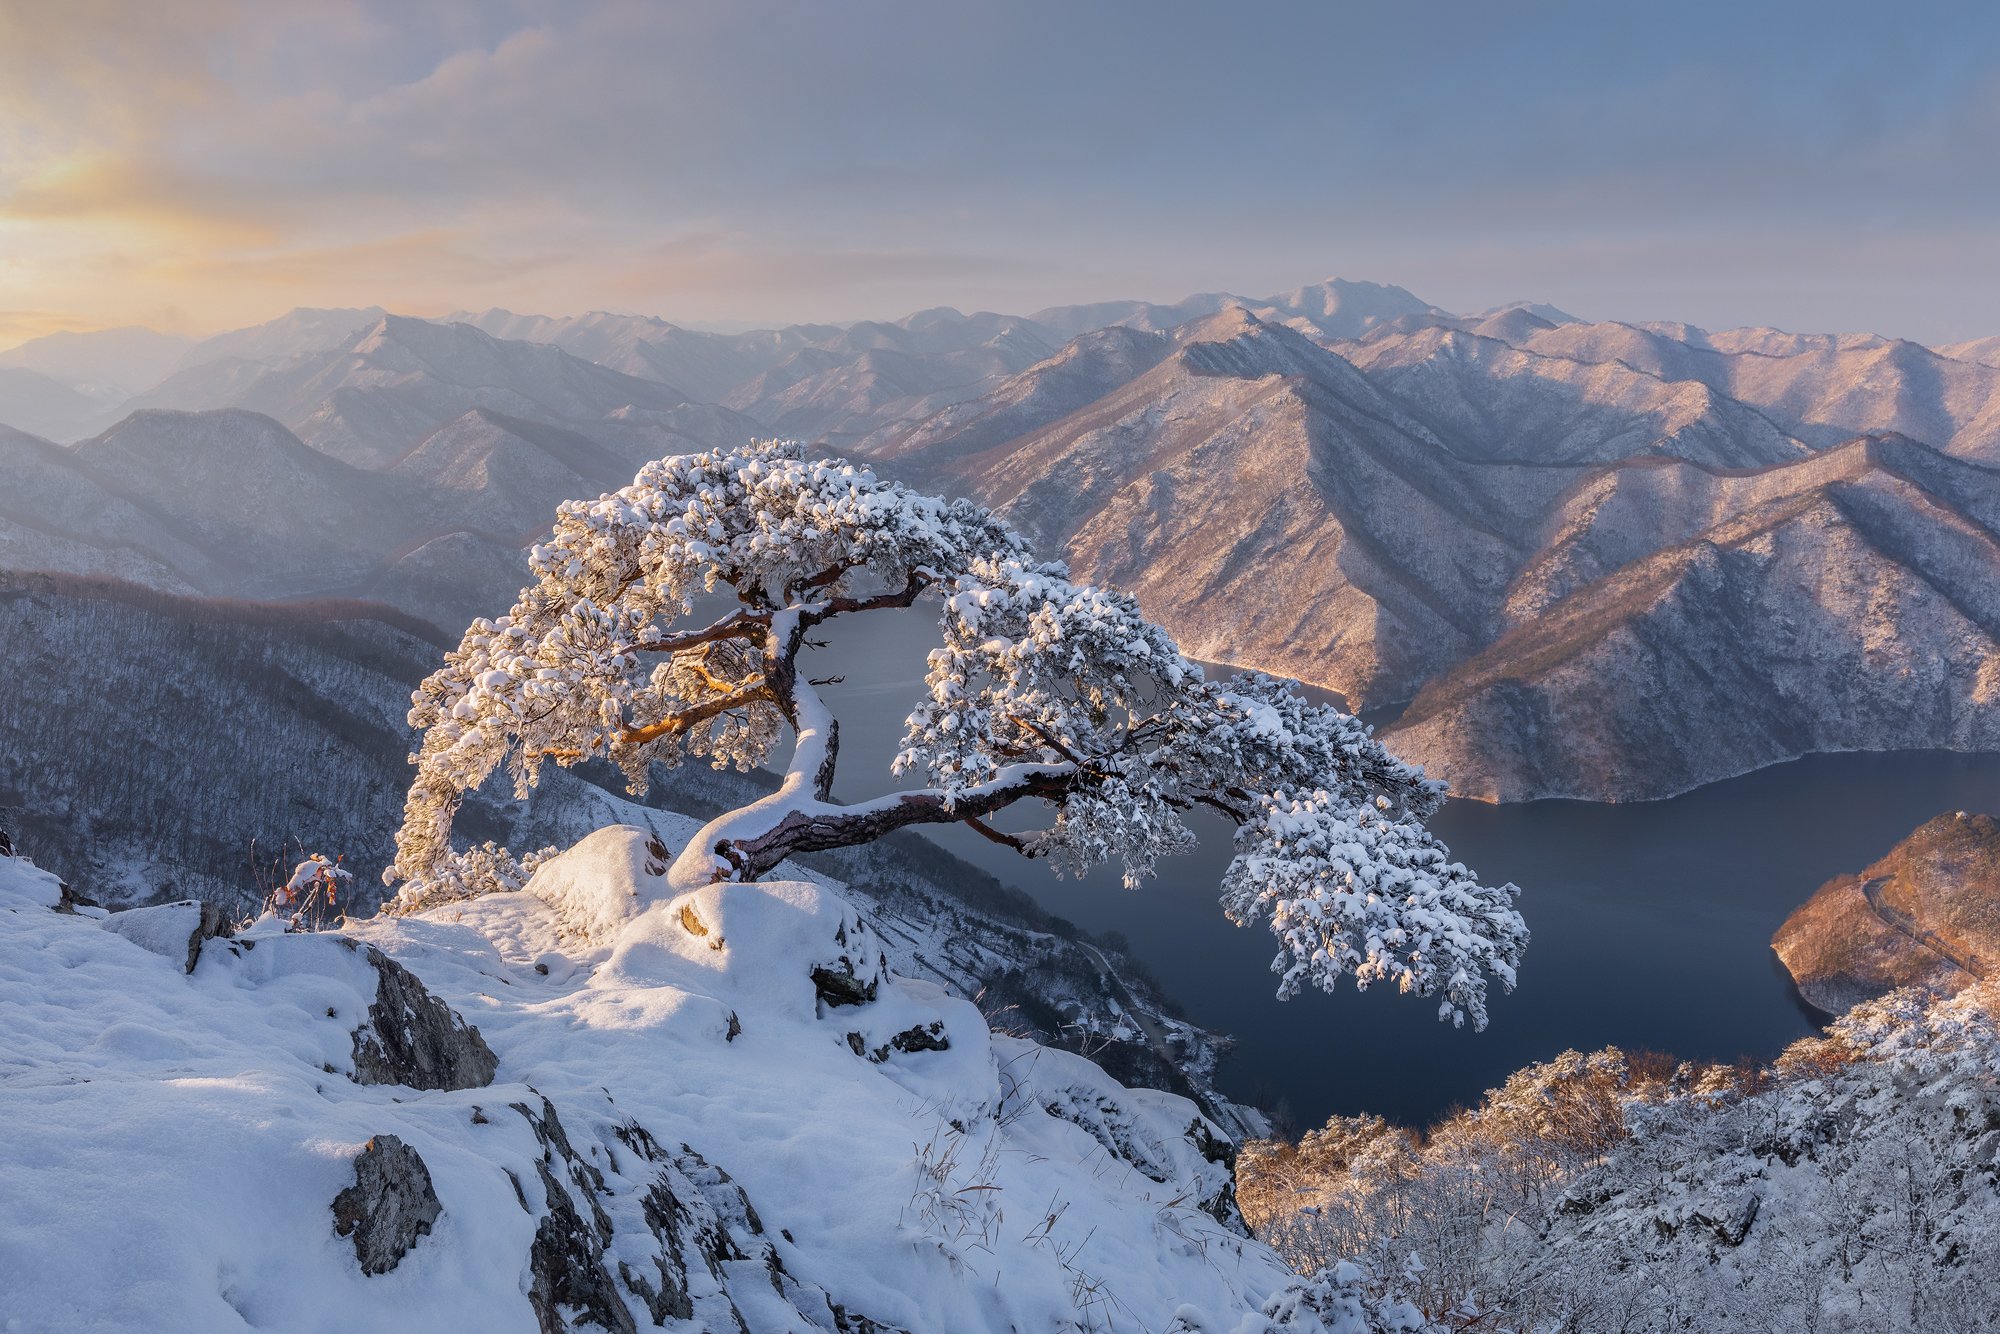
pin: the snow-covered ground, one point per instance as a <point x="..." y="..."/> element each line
<point x="699" y="1117"/>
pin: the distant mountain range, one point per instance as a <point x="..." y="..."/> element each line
<point x="1561" y="557"/>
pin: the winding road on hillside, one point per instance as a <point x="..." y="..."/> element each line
<point x="1898" y="920"/>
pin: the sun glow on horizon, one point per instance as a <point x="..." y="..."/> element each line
<point x="210" y="164"/>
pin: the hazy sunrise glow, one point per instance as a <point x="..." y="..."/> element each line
<point x="201" y="165"/>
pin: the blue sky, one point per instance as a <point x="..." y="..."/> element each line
<point x="1824" y="166"/>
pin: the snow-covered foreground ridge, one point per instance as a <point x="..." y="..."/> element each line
<point x="712" y="1110"/>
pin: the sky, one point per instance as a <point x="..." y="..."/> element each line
<point x="212" y="163"/>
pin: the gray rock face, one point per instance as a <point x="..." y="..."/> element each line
<point x="919" y="1037"/>
<point x="413" y="1038"/>
<point x="173" y="930"/>
<point x="390" y="1205"/>
<point x="690" y="1221"/>
<point x="1731" y="1225"/>
<point x="854" y="976"/>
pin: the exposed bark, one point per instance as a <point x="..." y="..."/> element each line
<point x="820" y="828"/>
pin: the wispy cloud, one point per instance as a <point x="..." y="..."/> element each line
<point x="777" y="160"/>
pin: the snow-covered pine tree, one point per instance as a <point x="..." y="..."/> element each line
<point x="1044" y="690"/>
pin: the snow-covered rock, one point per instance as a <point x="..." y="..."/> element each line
<point x="171" y="930"/>
<point x="390" y="1205"/>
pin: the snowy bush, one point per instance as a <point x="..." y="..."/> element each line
<point x="312" y="895"/>
<point x="1043" y="690"/>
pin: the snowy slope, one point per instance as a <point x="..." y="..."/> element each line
<point x="1851" y="1187"/>
<point x="687" y="1129"/>
<point x="1853" y="612"/>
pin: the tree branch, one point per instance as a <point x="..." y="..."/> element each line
<point x="905" y="596"/>
<point x="693" y="716"/>
<point x="1000" y="836"/>
<point x="824" y="828"/>
<point x="687" y="718"/>
<point x="736" y="625"/>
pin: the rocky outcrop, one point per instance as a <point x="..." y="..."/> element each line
<point x="1927" y="914"/>
<point x="173" y="930"/>
<point x="413" y="1038"/>
<point x="661" y="1235"/>
<point x="918" y="1037"/>
<point x="854" y="975"/>
<point x="390" y="1205"/>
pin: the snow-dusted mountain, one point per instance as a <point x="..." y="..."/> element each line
<point x="42" y="405"/>
<point x="1369" y="554"/>
<point x="1821" y="389"/>
<point x="230" y="503"/>
<point x="1984" y="351"/>
<point x="1557" y="553"/>
<point x="106" y="364"/>
<point x="372" y="398"/>
<point x="706" y="365"/>
<point x="275" y="342"/>
<point x="1496" y="400"/>
<point x="501" y="474"/>
<point x="811" y="381"/>
<point x="1333" y="309"/>
<point x="1342" y="483"/>
<point x="226" y="502"/>
<point x="1843" y="603"/>
<point x="233" y="723"/>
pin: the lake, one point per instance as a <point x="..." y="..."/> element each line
<point x="1652" y="921"/>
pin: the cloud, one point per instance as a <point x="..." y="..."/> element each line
<point x="705" y="264"/>
<point x="18" y="326"/>
<point x="777" y="160"/>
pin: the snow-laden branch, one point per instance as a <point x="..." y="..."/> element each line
<point x="1042" y="691"/>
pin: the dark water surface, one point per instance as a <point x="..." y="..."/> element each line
<point x="1652" y="921"/>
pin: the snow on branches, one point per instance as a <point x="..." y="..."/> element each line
<point x="1043" y="689"/>
<point x="1349" y="887"/>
